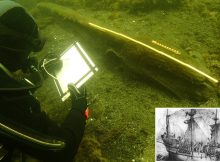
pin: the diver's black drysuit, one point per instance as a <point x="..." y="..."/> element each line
<point x="21" y="110"/>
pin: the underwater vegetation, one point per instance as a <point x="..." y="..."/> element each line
<point x="93" y="151"/>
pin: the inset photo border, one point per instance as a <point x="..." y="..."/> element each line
<point x="187" y="134"/>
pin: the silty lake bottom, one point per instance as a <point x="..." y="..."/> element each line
<point x="122" y="98"/>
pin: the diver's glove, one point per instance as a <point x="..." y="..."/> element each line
<point x="79" y="101"/>
<point x="31" y="72"/>
<point x="30" y="65"/>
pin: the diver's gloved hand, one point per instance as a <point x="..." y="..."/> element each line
<point x="30" y="65"/>
<point x="79" y="101"/>
<point x="30" y="74"/>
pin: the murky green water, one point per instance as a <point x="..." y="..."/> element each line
<point x="121" y="125"/>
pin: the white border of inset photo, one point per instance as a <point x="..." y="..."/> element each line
<point x="178" y="133"/>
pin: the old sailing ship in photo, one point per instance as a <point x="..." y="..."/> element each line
<point x="201" y="139"/>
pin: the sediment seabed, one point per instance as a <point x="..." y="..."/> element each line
<point x="151" y="60"/>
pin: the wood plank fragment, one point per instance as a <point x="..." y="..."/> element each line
<point x="148" y="60"/>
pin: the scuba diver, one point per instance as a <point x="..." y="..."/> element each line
<point x="22" y="123"/>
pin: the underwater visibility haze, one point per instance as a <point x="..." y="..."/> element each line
<point x="150" y="53"/>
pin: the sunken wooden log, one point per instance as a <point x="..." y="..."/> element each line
<point x="151" y="60"/>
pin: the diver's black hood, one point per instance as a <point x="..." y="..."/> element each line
<point x="18" y="29"/>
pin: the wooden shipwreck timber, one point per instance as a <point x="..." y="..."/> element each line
<point x="151" y="60"/>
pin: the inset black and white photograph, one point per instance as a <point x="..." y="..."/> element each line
<point x="187" y="134"/>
